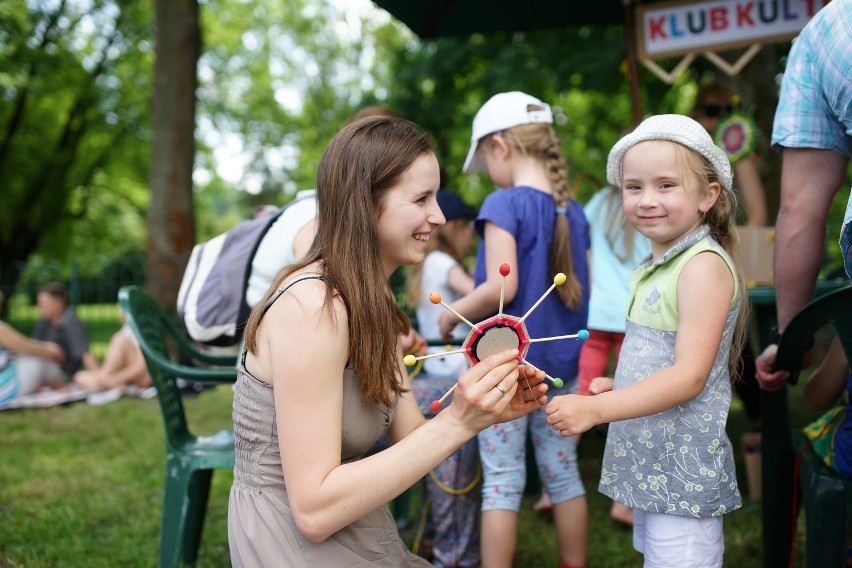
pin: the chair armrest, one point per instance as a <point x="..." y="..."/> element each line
<point x="214" y="375"/>
<point x="201" y="355"/>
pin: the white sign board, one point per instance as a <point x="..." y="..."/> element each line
<point x="676" y="28"/>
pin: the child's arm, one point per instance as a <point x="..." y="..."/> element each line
<point x="484" y="300"/>
<point x="827" y="382"/>
<point x="704" y="293"/>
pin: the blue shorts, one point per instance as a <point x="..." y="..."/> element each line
<point x="502" y="449"/>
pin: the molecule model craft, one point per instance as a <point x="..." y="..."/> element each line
<point x="497" y="333"/>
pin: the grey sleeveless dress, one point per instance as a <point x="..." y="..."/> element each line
<point x="261" y="529"/>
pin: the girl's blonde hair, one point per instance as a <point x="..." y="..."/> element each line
<point x="620" y="235"/>
<point x="541" y="141"/>
<point x="720" y="220"/>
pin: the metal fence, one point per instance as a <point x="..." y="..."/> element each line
<point x="92" y="289"/>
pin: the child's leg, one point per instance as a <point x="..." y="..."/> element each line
<point x="672" y="541"/>
<point x="118" y="355"/>
<point x="454" y="514"/>
<point x="454" y="508"/>
<point x="502" y="452"/>
<point x="557" y="464"/>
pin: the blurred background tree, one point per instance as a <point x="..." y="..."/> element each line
<point x="273" y="82"/>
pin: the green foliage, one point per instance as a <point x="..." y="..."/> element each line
<point x="76" y="81"/>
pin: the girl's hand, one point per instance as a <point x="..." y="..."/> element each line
<point x="600" y="384"/>
<point x="490" y="392"/>
<point x="447" y="321"/>
<point x="571" y="414"/>
<point x="413" y="343"/>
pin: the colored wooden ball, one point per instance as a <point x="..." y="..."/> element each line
<point x="583" y="334"/>
<point x="435" y="298"/>
<point x="558" y="383"/>
<point x="409" y="360"/>
<point x="559" y="279"/>
<point x="505" y="269"/>
<point x="435" y="406"/>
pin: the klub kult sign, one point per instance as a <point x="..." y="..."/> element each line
<point x="676" y="28"/>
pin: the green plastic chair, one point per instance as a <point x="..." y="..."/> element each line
<point x="827" y="494"/>
<point x="190" y="459"/>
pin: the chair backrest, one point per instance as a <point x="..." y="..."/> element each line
<point x="152" y="328"/>
<point x="833" y="309"/>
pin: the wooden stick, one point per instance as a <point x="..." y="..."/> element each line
<point x="554" y="338"/>
<point x="441" y="354"/>
<point x="557" y="383"/>
<point x="540" y="300"/>
<point x="449" y="392"/>
<point x="458" y="315"/>
<point x="558" y="280"/>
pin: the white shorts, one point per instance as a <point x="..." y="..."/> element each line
<point x="672" y="541"/>
<point x="35" y="372"/>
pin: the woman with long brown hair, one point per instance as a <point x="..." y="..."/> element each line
<point x="321" y="377"/>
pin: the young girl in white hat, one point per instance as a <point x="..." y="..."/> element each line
<point x="667" y="454"/>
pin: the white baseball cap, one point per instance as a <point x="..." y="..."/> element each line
<point x="675" y="128"/>
<point x="502" y="111"/>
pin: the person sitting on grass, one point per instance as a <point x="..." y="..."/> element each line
<point x="12" y="342"/>
<point x="123" y="365"/>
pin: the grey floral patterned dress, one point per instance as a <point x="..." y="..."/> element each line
<point x="679" y="461"/>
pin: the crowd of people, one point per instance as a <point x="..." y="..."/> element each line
<point x="649" y="267"/>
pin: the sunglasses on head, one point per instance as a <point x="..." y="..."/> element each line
<point x="714" y="111"/>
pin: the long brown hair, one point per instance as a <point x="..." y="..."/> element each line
<point x="361" y="163"/>
<point x="541" y="140"/>
<point x="720" y="220"/>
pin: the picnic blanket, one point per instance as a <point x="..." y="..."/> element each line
<point x="47" y="397"/>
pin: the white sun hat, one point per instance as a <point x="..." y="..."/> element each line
<point x="675" y="128"/>
<point x="500" y="112"/>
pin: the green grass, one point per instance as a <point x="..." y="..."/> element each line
<point x="81" y="486"/>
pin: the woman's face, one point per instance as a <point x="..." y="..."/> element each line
<point x="711" y="111"/>
<point x="407" y="213"/>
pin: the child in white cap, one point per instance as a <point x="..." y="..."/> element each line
<point x="667" y="455"/>
<point x="534" y="225"/>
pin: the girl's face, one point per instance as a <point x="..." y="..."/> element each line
<point x="661" y="196"/>
<point x="462" y="234"/>
<point x="407" y="213"/>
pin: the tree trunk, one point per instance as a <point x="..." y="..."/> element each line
<point x="171" y="219"/>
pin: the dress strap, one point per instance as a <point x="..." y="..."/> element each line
<point x="286" y="286"/>
<point x="281" y="289"/>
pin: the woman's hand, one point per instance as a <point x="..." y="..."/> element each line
<point x="495" y="390"/>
